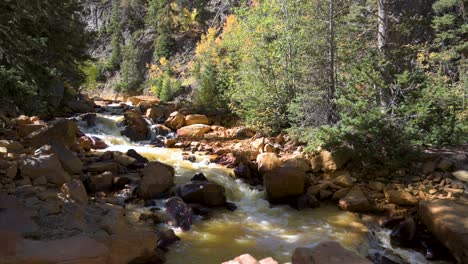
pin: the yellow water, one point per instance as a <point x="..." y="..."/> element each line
<point x="255" y="227"/>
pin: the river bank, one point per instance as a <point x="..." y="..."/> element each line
<point x="89" y="183"/>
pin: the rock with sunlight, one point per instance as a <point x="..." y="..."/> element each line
<point x="157" y="178"/>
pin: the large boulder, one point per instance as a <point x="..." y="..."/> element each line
<point x="180" y="212"/>
<point x="283" y="183"/>
<point x="448" y="221"/>
<point x="355" y="201"/>
<point x="135" y="100"/>
<point x="267" y="162"/>
<point x="81" y="106"/>
<point x="76" y="250"/>
<point x="248" y="259"/>
<point x="296" y="161"/>
<point x="157" y="178"/>
<point x="327" y="252"/>
<point x="136" y="128"/>
<point x="203" y="192"/>
<point x="175" y="121"/>
<point x="330" y="161"/>
<point x="70" y="162"/>
<point x="132" y="247"/>
<point x="196" y="119"/>
<point x="193" y="131"/>
<point x="61" y="131"/>
<point x="44" y="165"/>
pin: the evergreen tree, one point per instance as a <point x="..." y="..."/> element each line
<point x="116" y="36"/>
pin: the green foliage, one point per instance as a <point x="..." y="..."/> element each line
<point x="162" y="81"/>
<point x="42" y="43"/>
<point x="131" y="79"/>
<point x="115" y="29"/>
<point x="91" y="72"/>
<point x="159" y="18"/>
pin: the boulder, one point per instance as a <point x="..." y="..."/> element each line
<point x="330" y="161"/>
<point x="100" y="167"/>
<point x="267" y="162"/>
<point x="140" y="159"/>
<point x="400" y="197"/>
<point x="461" y="175"/>
<point x="180" y="212"/>
<point x="100" y="182"/>
<point x="343" y="179"/>
<point x="282" y="183"/>
<point x="175" y="121"/>
<point x="134" y="247"/>
<point x="166" y="238"/>
<point x="157" y="178"/>
<point x="125" y="160"/>
<point x="327" y="252"/>
<point x="76" y="191"/>
<point x="196" y="119"/>
<point x="193" y="131"/>
<point x="203" y="192"/>
<point x="44" y="165"/>
<point x="161" y="130"/>
<point x="81" y="106"/>
<point x="295" y="161"/>
<point x="248" y="259"/>
<point x="11" y="146"/>
<point x="70" y="162"/>
<point x="355" y="201"/>
<point x="25" y="130"/>
<point x="242" y="171"/>
<point x="404" y="234"/>
<point x="448" y="221"/>
<point x="136" y="128"/>
<point x="306" y="201"/>
<point x="61" y="131"/>
<point x="76" y="250"/>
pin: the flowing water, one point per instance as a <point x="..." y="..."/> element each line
<point x="255" y="227"/>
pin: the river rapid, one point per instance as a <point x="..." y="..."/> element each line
<point x="255" y="227"/>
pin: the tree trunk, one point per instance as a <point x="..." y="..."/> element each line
<point x="331" y="63"/>
<point x="382" y="42"/>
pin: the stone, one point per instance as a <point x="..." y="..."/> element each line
<point x="461" y="175"/>
<point x="341" y="193"/>
<point x="77" y="250"/>
<point x="306" y="201"/>
<point x="315" y="189"/>
<point x="25" y="130"/>
<point x="136" y="128"/>
<point x="327" y="252"/>
<point x="12" y="170"/>
<point x="166" y="238"/>
<point x="140" y="159"/>
<point x="242" y="171"/>
<point x="343" y="179"/>
<point x="447" y="220"/>
<point x="199" y="177"/>
<point x="100" y="167"/>
<point x="330" y="161"/>
<point x="135" y="100"/>
<point x="445" y="165"/>
<point x="282" y="183"/>
<point x="203" y="192"/>
<point x="180" y="212"/>
<point x="75" y="191"/>
<point x="376" y="186"/>
<point x="296" y="161"/>
<point x="60" y="131"/>
<point x="157" y="178"/>
<point x="267" y="162"/>
<point x="81" y="106"/>
<point x="11" y="145"/>
<point x="14" y="217"/>
<point x="125" y="160"/>
<point x="403" y="235"/>
<point x="428" y="167"/>
<point x="193" y="131"/>
<point x="70" y="162"/>
<point x="100" y="182"/>
<point x="41" y="180"/>
<point x="175" y="121"/>
<point x="44" y="165"/>
<point x="269" y="148"/>
<point x="400" y="197"/>
<point x="196" y="119"/>
<point x="355" y="201"/>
